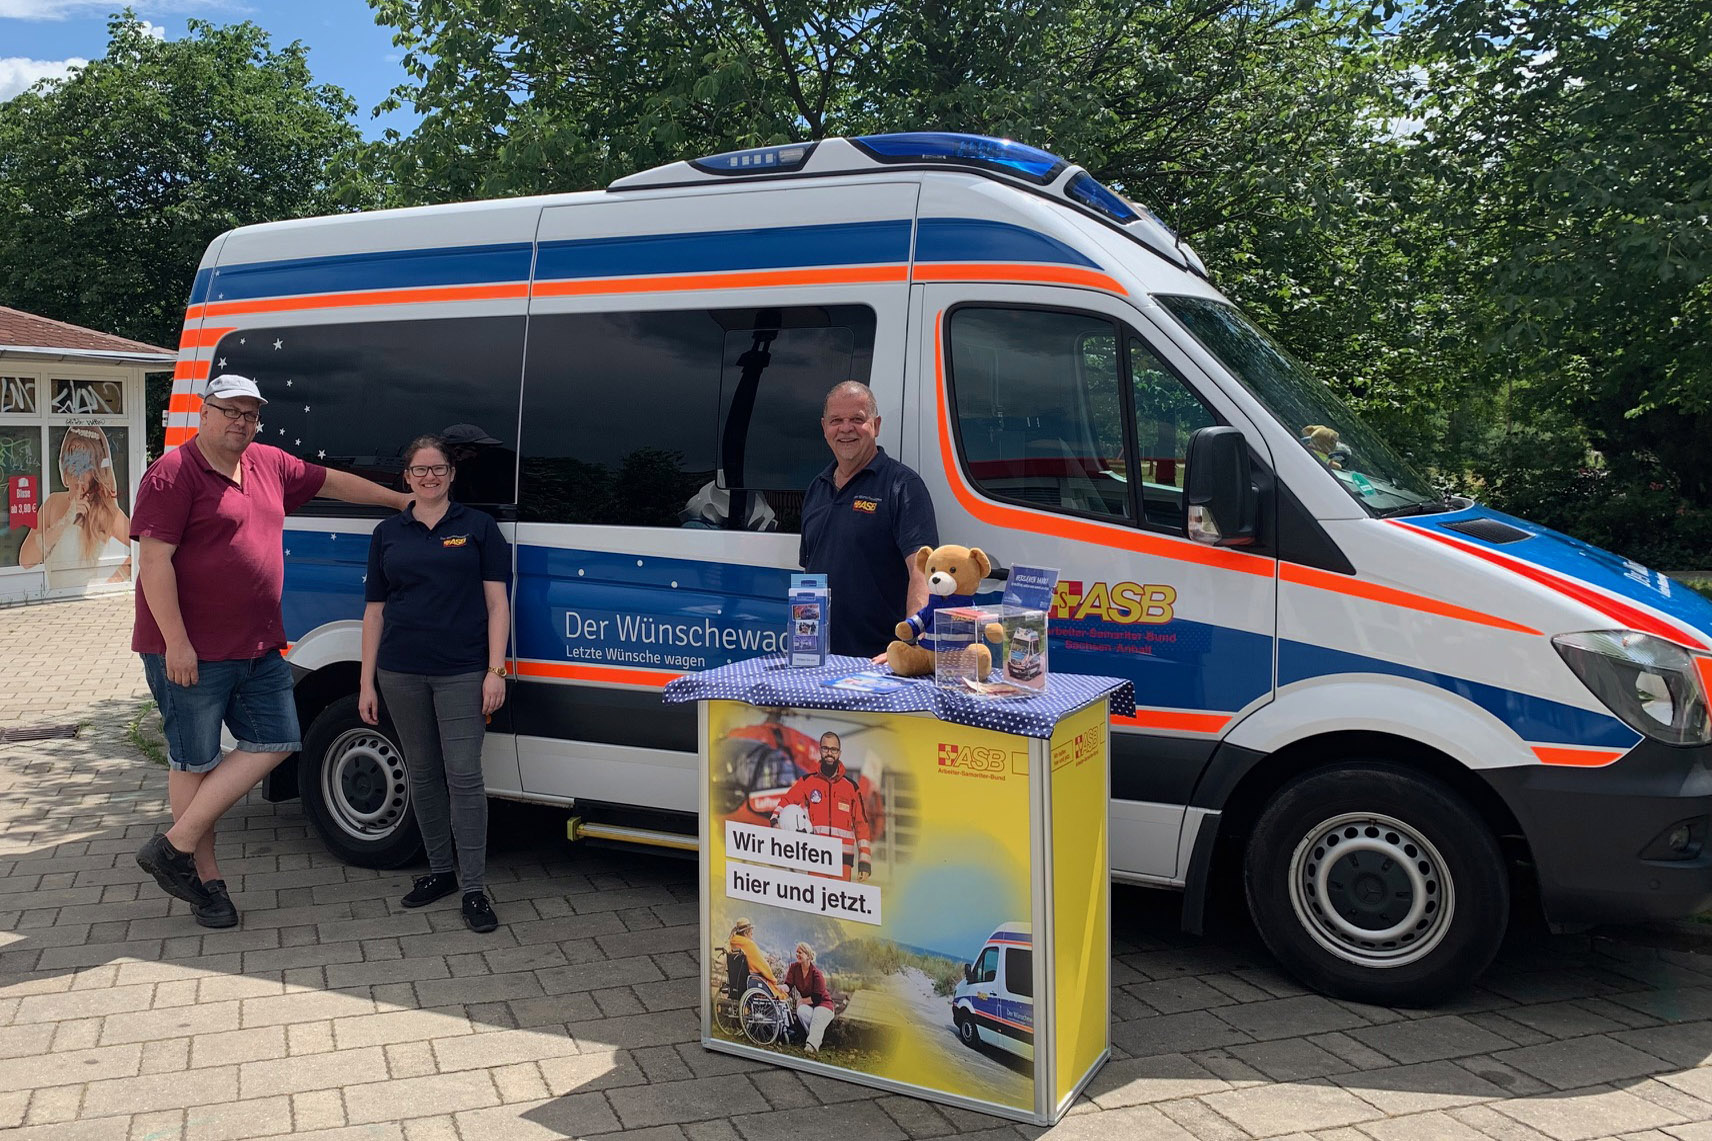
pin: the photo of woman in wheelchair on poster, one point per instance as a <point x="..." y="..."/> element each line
<point x="757" y="999"/>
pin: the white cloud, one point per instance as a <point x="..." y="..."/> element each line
<point x="17" y="73"/>
<point x="158" y="31"/>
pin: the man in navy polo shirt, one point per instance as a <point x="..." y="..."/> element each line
<point x="864" y="518"/>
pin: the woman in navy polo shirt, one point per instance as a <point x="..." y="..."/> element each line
<point x="434" y="633"/>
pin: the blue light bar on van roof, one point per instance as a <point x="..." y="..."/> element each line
<point x="1091" y="194"/>
<point x="1002" y="155"/>
<point x="756" y="160"/>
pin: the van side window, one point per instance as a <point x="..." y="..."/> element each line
<point x="350" y="396"/>
<point x="1019" y="972"/>
<point x="705" y="419"/>
<point x="1039" y="408"/>
<point x="987" y="967"/>
<point x="1166" y="415"/>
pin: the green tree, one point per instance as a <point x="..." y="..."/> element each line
<point x="1571" y="136"/>
<point x="114" y="180"/>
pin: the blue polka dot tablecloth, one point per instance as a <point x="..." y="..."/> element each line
<point x="768" y="681"/>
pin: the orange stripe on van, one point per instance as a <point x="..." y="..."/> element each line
<point x="191" y="370"/>
<point x="184" y="402"/>
<point x="742" y="279"/>
<point x="1580" y="758"/>
<point x="194" y="313"/>
<point x="1176" y="722"/>
<point x="1063" y="527"/>
<point x="654" y="679"/>
<point x="1703" y="666"/>
<point x="178" y="435"/>
<point x="1630" y="616"/>
<point x="423" y="294"/>
<point x="1390" y="596"/>
<point x="1016" y="271"/>
<point x="202" y="338"/>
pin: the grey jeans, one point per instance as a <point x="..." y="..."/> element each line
<point x="440" y="725"/>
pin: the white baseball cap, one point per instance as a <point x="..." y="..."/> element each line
<point x="231" y="384"/>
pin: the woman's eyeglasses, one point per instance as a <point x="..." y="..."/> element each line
<point x="422" y="470"/>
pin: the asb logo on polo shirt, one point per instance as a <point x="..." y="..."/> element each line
<point x="454" y="540"/>
<point x="865" y="504"/>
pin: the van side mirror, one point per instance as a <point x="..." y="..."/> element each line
<point x="1219" y="498"/>
<point x="968" y="972"/>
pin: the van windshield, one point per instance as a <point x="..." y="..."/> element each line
<point x="1365" y="466"/>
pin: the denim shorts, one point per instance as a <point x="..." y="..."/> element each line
<point x="251" y="697"/>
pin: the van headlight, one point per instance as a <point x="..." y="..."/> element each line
<point x="1651" y="684"/>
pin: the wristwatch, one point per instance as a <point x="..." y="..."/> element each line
<point x="497" y="671"/>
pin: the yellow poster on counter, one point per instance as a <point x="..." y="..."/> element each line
<point x="1081" y="898"/>
<point x="870" y="901"/>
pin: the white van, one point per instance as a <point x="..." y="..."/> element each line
<point x="994" y="1004"/>
<point x="1372" y="705"/>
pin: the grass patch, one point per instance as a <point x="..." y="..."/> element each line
<point x="146" y="735"/>
<point x="1699" y="585"/>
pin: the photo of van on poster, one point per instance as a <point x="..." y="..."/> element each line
<point x="868" y="879"/>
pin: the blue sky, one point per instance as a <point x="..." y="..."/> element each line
<point x="43" y="37"/>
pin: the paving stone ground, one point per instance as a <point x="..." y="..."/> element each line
<point x="334" y="1014"/>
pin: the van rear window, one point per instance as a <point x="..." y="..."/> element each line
<point x="685" y="418"/>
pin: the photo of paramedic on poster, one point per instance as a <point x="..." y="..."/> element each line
<point x="827" y="802"/>
<point x="768" y="773"/>
<point x="82" y="533"/>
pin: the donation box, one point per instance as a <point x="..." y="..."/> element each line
<point x="907" y="889"/>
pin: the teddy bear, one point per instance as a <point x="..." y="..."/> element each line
<point x="952" y="574"/>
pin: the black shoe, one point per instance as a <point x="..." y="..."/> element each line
<point x="174" y="870"/>
<point x="219" y="912"/>
<point x="428" y="888"/>
<point x="478" y="913"/>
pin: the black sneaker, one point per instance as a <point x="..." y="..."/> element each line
<point x="174" y="870"/>
<point x="478" y="912"/>
<point x="428" y="888"/>
<point x="219" y="912"/>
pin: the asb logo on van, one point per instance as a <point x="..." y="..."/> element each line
<point x="1125" y="603"/>
<point x="979" y="760"/>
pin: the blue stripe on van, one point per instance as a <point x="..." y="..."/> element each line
<point x="780" y="247"/>
<point x="600" y="608"/>
<point x="975" y="239"/>
<point x="1532" y="718"/>
<point x="199" y="287"/>
<point x="668" y="605"/>
<point x="394" y="269"/>
<point x="1567" y="555"/>
<point x="1192" y="666"/>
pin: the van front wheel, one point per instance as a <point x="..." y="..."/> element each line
<point x="1371" y="882"/>
<point x="355" y="788"/>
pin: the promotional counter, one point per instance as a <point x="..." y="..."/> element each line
<point x="948" y="881"/>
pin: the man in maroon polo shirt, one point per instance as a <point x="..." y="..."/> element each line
<point x="210" y="516"/>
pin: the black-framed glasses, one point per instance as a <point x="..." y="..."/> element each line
<point x="422" y="470"/>
<point x="235" y="413"/>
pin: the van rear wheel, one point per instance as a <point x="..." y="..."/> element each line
<point x="1372" y="882"/>
<point x="355" y="788"/>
